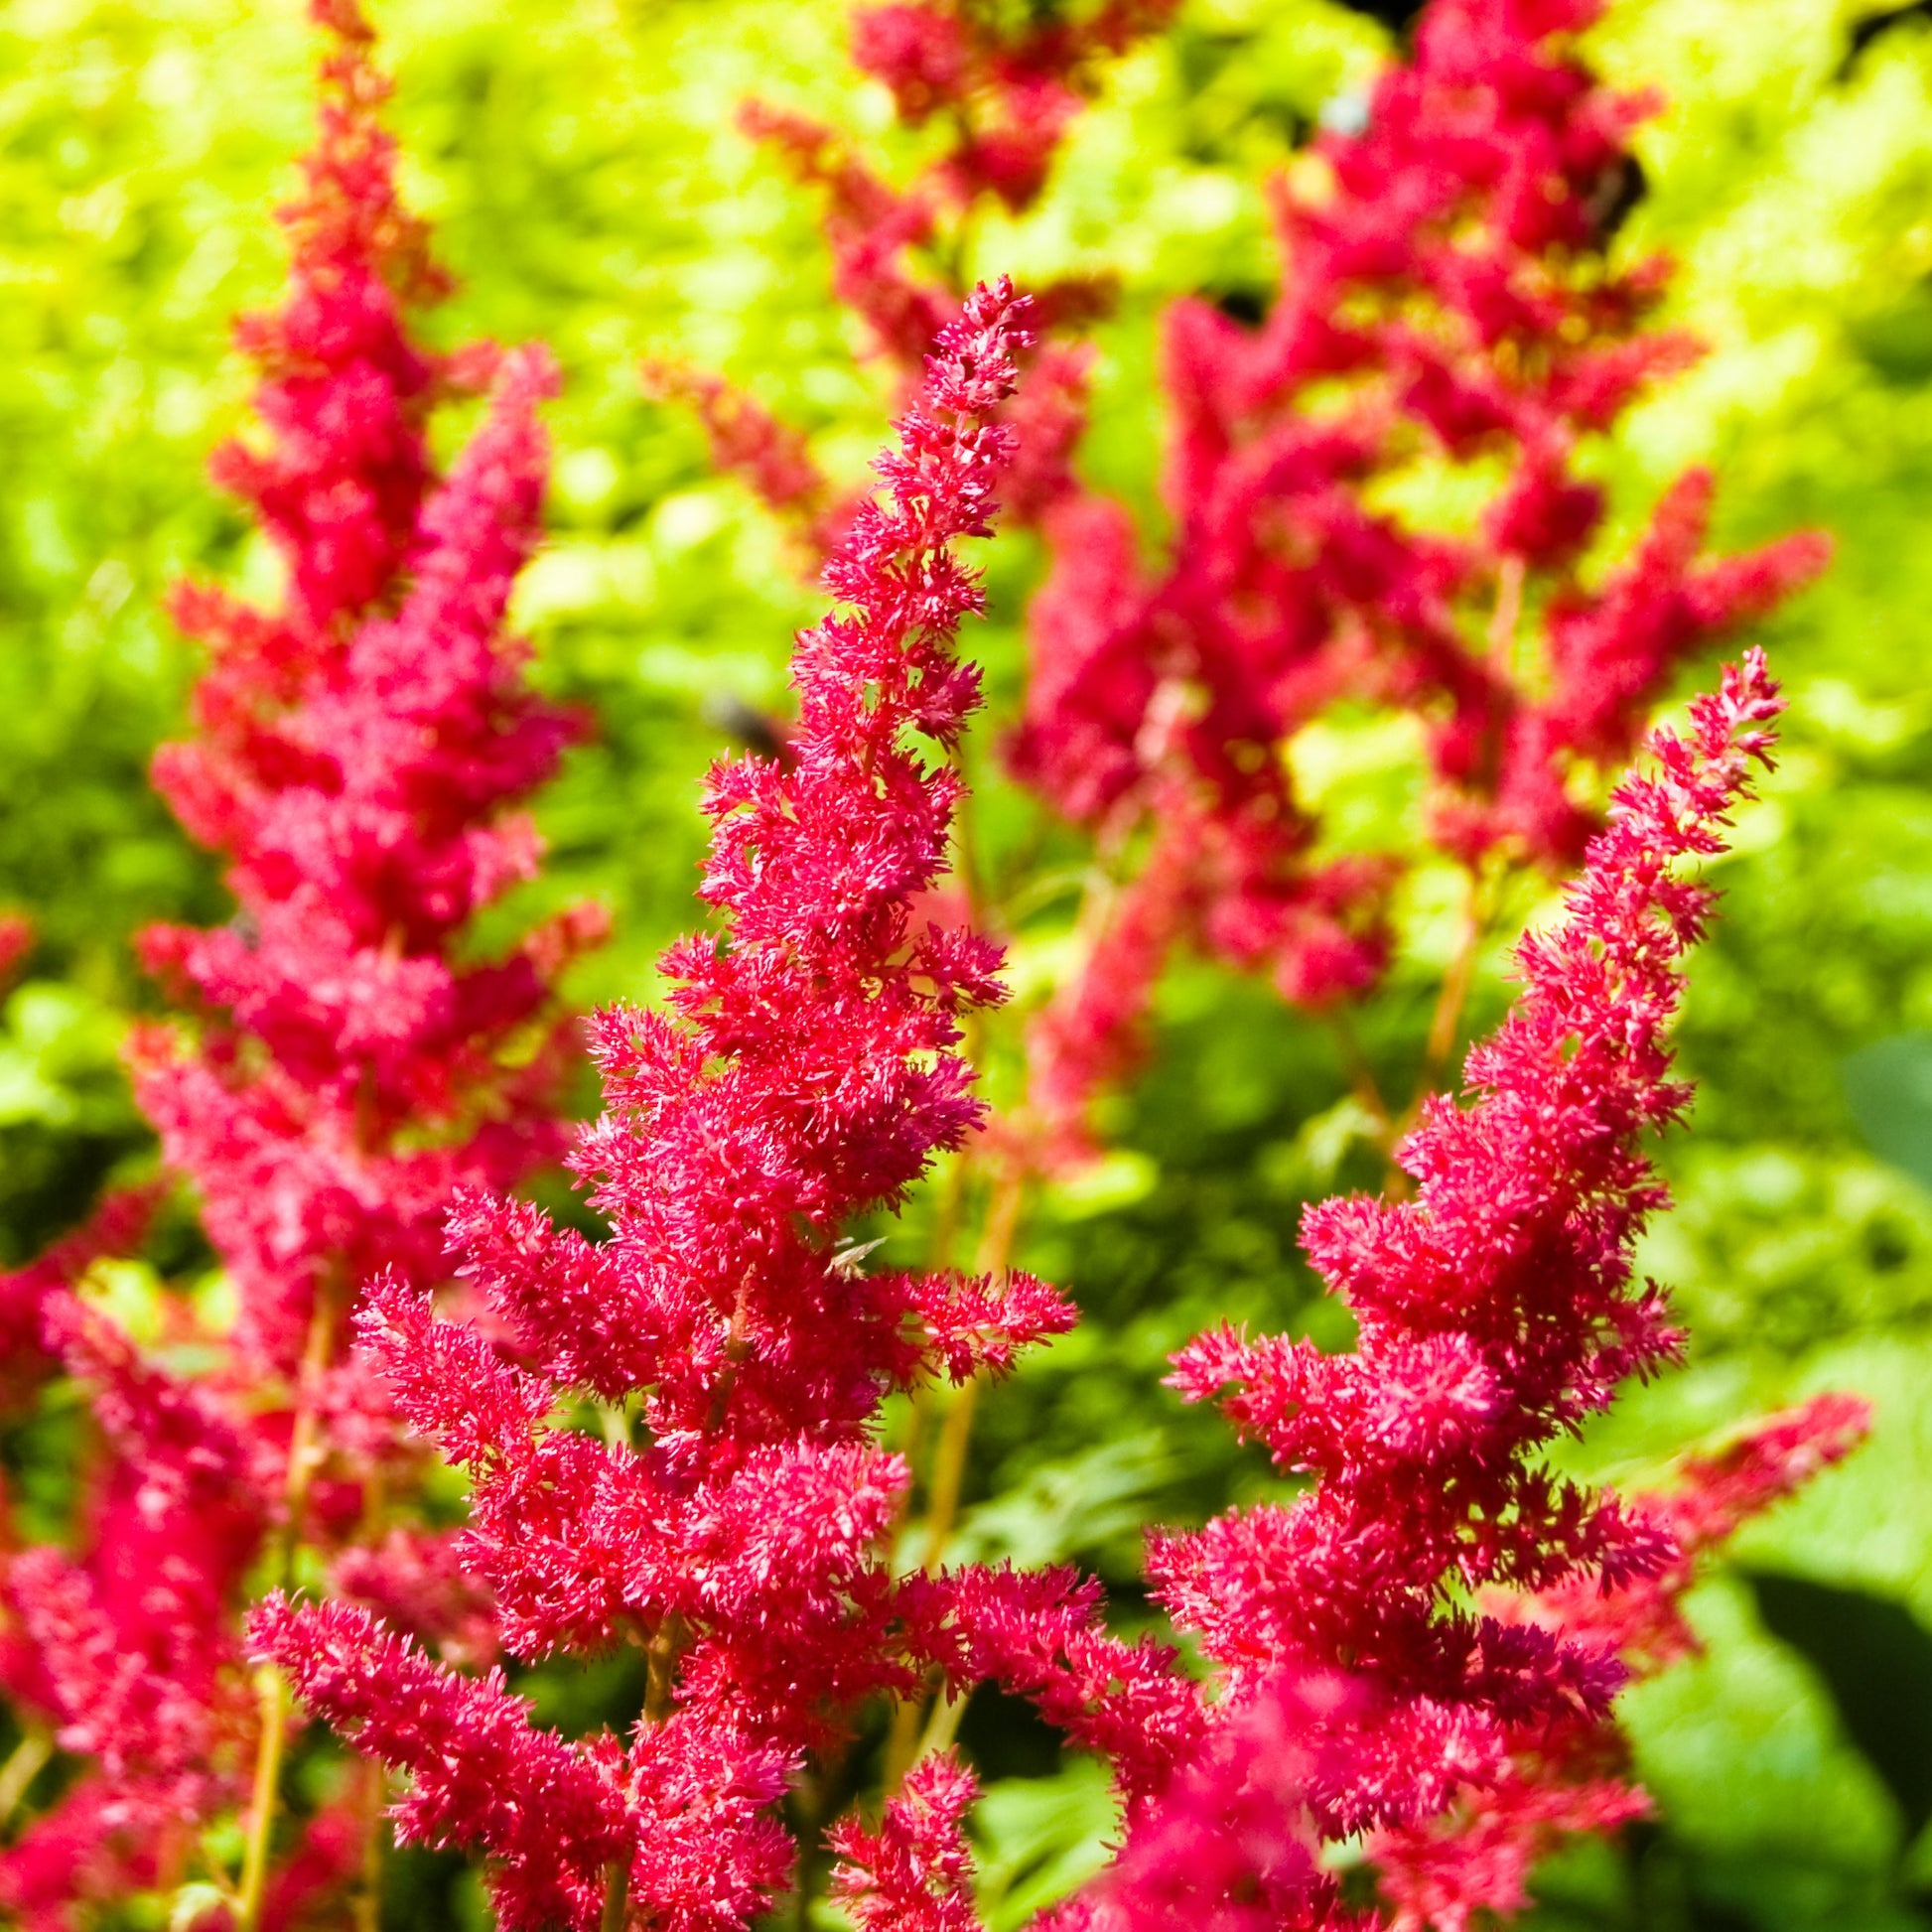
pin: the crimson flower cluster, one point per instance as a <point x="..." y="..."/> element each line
<point x="805" y="1071"/>
<point x="1447" y="303"/>
<point x="1427" y="1641"/>
<point x="358" y="757"/>
<point x="359" y="752"/>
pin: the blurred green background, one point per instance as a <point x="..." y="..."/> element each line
<point x="589" y="186"/>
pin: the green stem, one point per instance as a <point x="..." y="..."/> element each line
<point x="368" y="1903"/>
<point x="269" y="1689"/>
<point x="273" y="1697"/>
<point x="22" y="1767"/>
<point x="617" y="1896"/>
<point x="905" y="1744"/>
<point x="1457" y="982"/>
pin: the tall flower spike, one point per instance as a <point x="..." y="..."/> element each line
<point x="365" y="812"/>
<point x="1496" y="1312"/>
<point x="1449" y="295"/>
<point x="360" y="752"/>
<point x="807" y="1071"/>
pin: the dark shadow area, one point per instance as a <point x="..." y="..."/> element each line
<point x="1876" y="1659"/>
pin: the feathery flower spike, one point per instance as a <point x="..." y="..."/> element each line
<point x="806" y="1070"/>
<point x="1496" y="1312"/>
<point x="1449" y="294"/>
<point x="359" y="755"/>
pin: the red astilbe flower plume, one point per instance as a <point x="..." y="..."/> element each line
<point x="1496" y="1312"/>
<point x="806" y="1070"/>
<point x="1006" y="84"/>
<point x="345" y="390"/>
<point x="1447" y="302"/>
<point x="360" y="752"/>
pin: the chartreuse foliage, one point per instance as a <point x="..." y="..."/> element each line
<point x="589" y="188"/>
